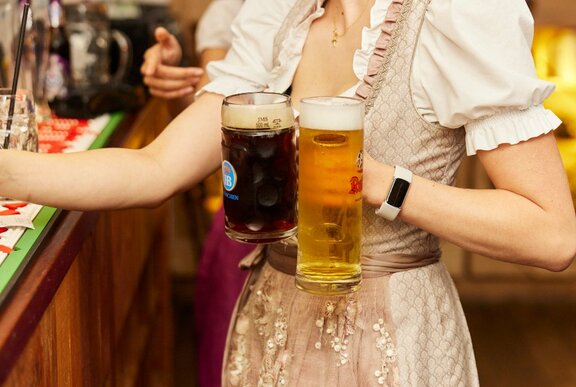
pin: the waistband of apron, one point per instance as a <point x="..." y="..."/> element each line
<point x="282" y="257"/>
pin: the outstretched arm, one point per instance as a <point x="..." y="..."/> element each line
<point x="182" y="155"/>
<point x="185" y="152"/>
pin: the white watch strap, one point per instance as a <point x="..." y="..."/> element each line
<point x="386" y="210"/>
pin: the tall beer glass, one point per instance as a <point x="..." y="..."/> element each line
<point x="259" y="172"/>
<point x="330" y="195"/>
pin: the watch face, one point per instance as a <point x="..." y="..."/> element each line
<point x="398" y="193"/>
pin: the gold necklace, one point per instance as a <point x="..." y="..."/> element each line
<point x="336" y="35"/>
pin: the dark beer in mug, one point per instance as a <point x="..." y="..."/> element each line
<point x="259" y="174"/>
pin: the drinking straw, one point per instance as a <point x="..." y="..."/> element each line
<point x="16" y="72"/>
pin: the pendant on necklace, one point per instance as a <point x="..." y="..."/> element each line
<point x="334" y="37"/>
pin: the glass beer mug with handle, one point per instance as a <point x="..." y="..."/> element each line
<point x="259" y="172"/>
<point x="91" y="37"/>
<point x="330" y="159"/>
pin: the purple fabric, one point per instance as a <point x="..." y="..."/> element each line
<point x="219" y="283"/>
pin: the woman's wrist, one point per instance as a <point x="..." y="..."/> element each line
<point x="377" y="181"/>
<point x="397" y="192"/>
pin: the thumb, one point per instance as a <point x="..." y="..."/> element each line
<point x="163" y="36"/>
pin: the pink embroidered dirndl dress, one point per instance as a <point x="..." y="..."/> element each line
<point x="405" y="326"/>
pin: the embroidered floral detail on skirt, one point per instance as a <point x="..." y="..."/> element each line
<point x="337" y="322"/>
<point x="387" y="349"/>
<point x="269" y="320"/>
<point x="284" y="337"/>
<point x="238" y="362"/>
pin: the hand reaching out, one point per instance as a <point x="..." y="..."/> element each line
<point x="162" y="75"/>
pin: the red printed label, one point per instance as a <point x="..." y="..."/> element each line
<point x="355" y="185"/>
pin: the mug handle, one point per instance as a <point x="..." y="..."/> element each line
<point x="124" y="57"/>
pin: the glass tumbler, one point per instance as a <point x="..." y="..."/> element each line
<point x="330" y="161"/>
<point x="18" y="128"/>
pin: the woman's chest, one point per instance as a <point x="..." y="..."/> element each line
<point x="326" y="68"/>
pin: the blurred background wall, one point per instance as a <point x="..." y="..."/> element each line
<point x="555" y="12"/>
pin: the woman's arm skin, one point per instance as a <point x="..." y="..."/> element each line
<point x="528" y="219"/>
<point x="182" y="155"/>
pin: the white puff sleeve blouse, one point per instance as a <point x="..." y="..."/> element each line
<point x="472" y="68"/>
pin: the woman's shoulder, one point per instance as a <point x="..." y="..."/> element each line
<point x="473" y="67"/>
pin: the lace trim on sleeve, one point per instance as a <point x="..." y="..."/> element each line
<point x="509" y="127"/>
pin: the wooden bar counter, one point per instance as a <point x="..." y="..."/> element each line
<point x="92" y="306"/>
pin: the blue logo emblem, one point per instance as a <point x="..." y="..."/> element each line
<point x="228" y="176"/>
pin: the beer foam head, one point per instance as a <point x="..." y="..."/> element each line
<point x="257" y="111"/>
<point x="332" y="113"/>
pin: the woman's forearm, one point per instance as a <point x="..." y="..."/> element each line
<point x="493" y="222"/>
<point x="528" y="219"/>
<point x="112" y="178"/>
<point x="97" y="179"/>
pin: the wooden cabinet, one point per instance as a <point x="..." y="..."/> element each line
<point x="93" y="307"/>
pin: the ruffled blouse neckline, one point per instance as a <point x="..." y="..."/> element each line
<point x="375" y="41"/>
<point x="366" y="59"/>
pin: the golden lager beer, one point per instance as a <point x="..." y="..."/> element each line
<point x="259" y="173"/>
<point x="330" y="195"/>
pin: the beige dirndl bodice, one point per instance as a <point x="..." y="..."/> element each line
<point x="405" y="327"/>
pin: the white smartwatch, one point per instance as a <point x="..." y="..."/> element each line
<point x="393" y="203"/>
